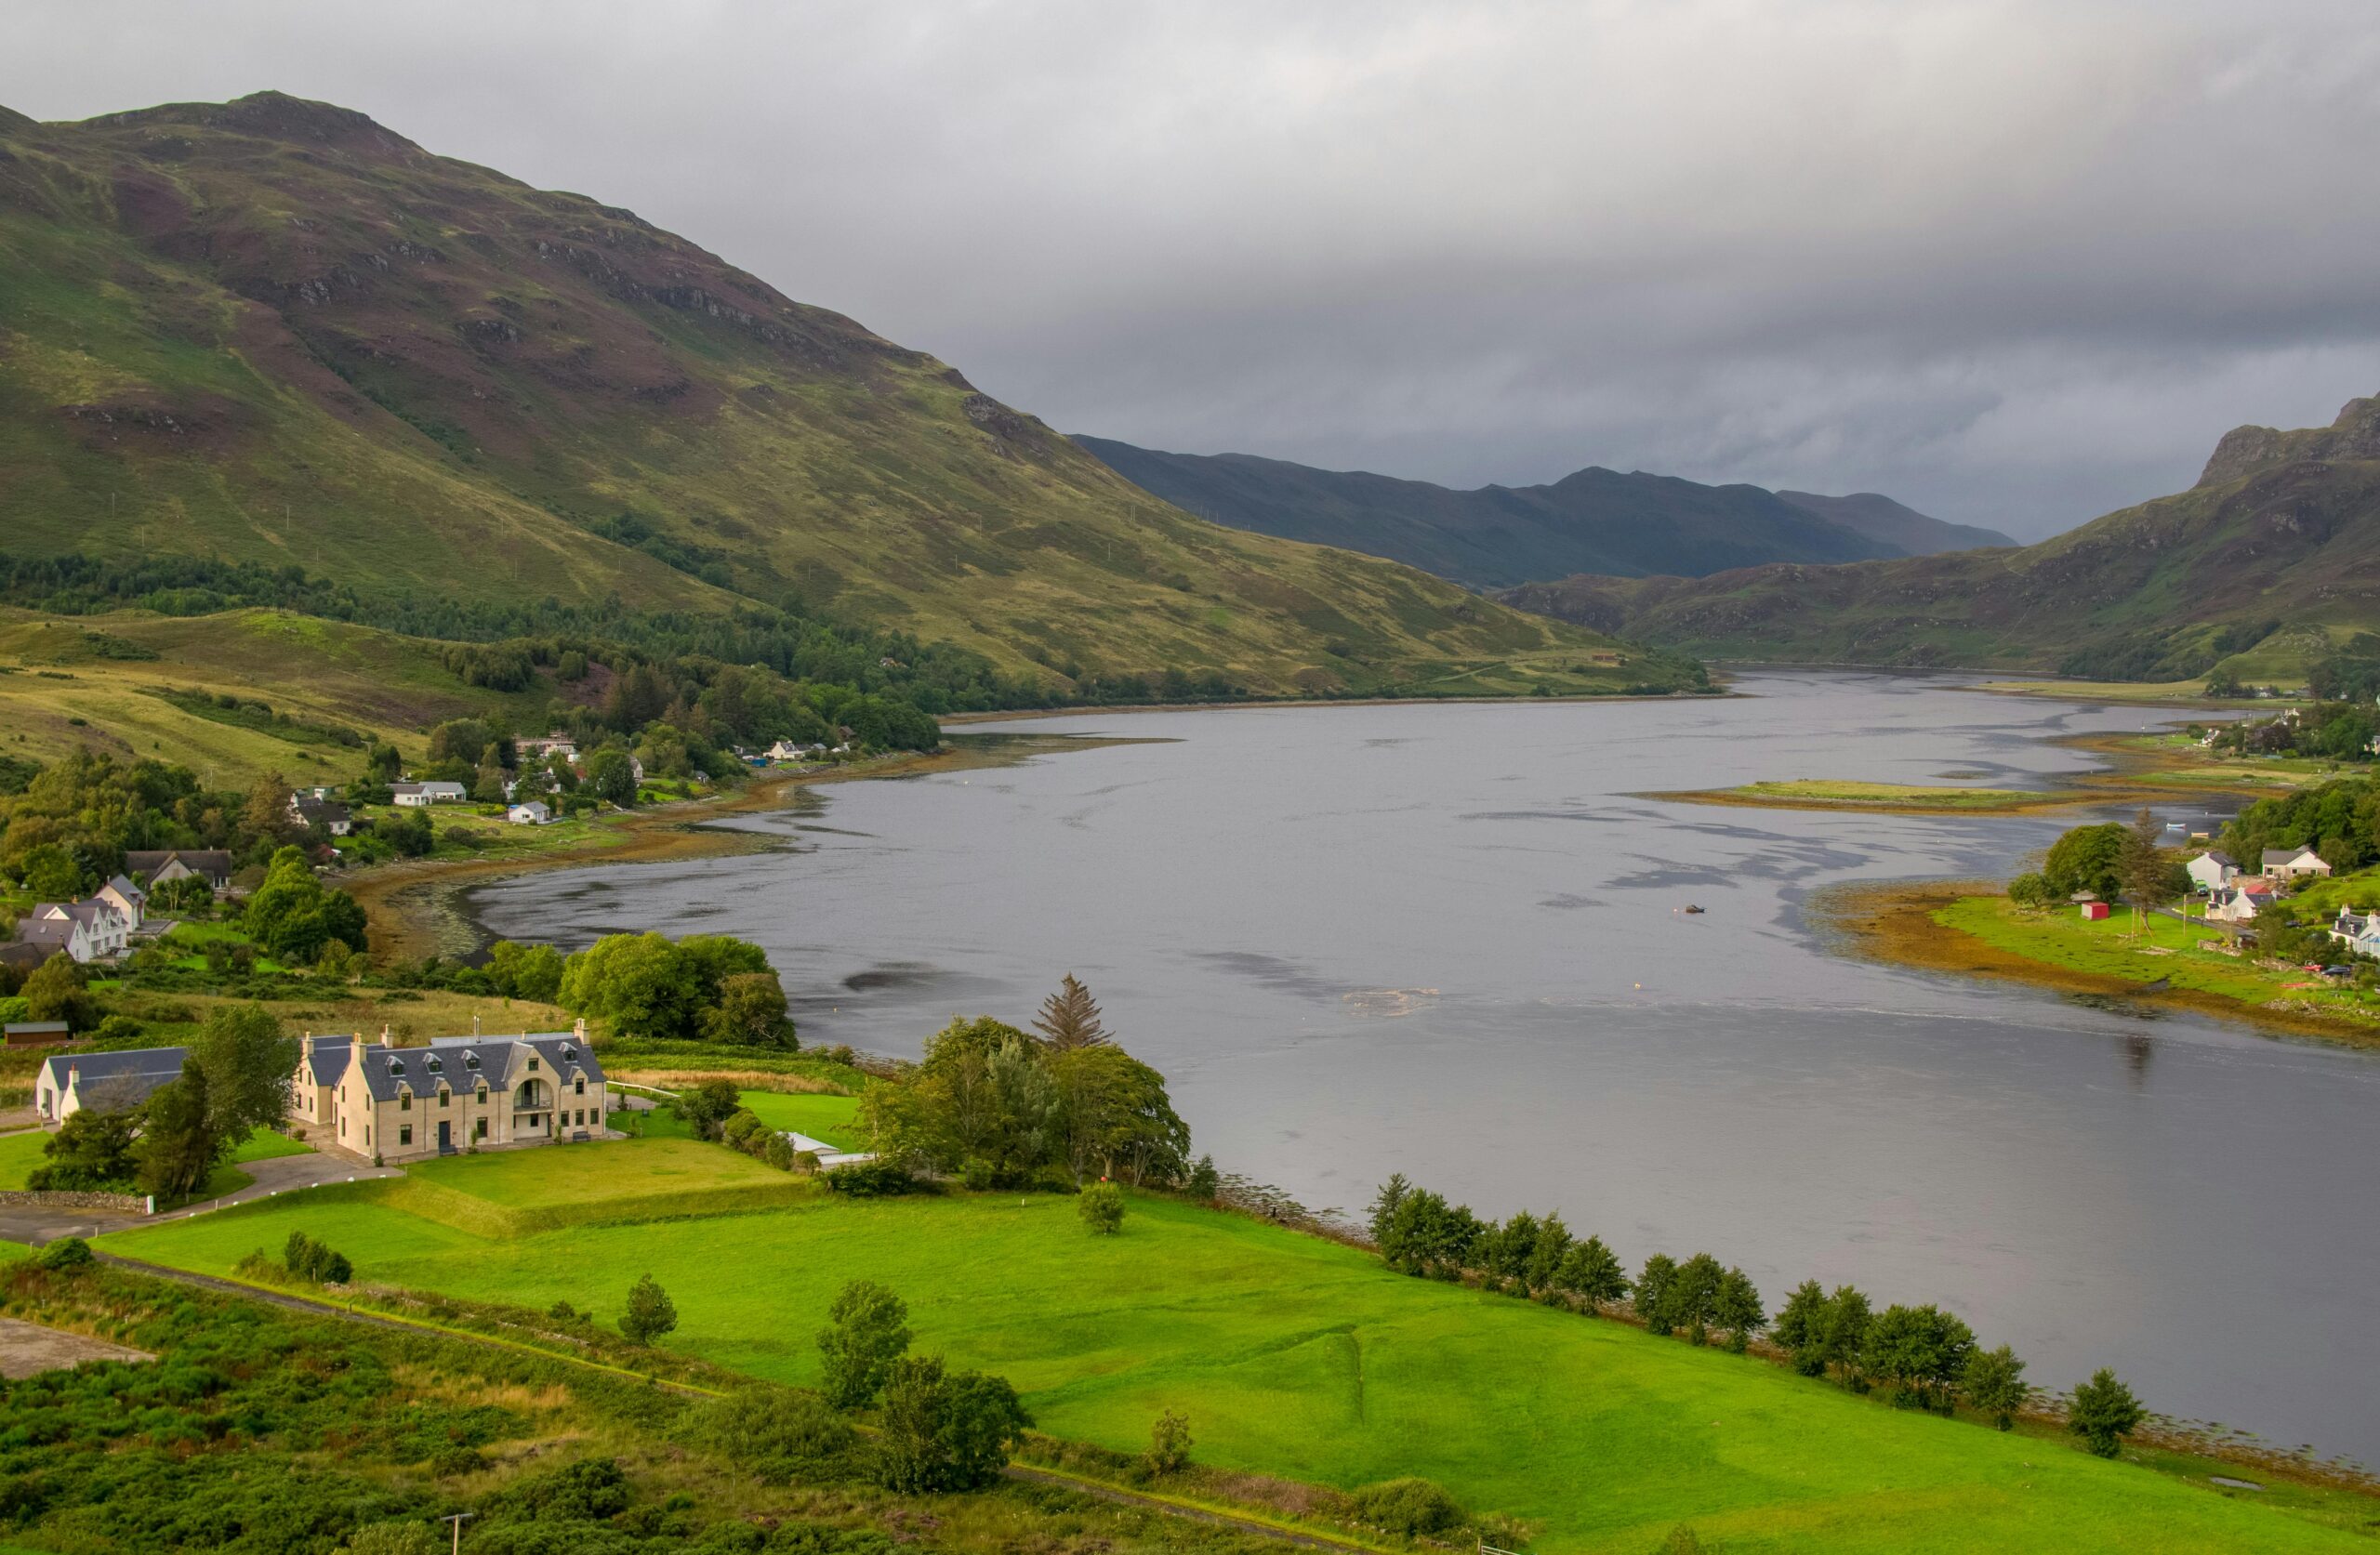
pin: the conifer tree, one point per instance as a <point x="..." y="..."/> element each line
<point x="1070" y="1018"/>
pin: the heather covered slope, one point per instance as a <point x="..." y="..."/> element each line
<point x="1593" y="520"/>
<point x="2275" y="552"/>
<point x="272" y="330"/>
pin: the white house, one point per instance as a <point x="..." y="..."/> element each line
<point x="785" y="750"/>
<point x="545" y="749"/>
<point x="2357" y="932"/>
<point x="67" y="1083"/>
<point x="2289" y="864"/>
<point x="164" y="867"/>
<point x="103" y="927"/>
<point x="2212" y="871"/>
<point x="127" y="899"/>
<point x="533" y="813"/>
<point x="421" y="796"/>
<point x="2241" y="902"/>
<point x="329" y="814"/>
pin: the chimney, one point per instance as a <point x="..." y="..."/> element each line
<point x="578" y="1028"/>
<point x="475" y="1024"/>
<point x="384" y="1037"/>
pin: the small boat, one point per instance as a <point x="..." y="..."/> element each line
<point x="1690" y="907"/>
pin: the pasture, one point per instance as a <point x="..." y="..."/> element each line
<point x="1292" y="1356"/>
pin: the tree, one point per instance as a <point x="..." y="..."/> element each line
<point x="1114" y="1116"/>
<point x="2141" y="868"/>
<point x="1169" y="1443"/>
<point x="1428" y="1236"/>
<point x="2030" y="891"/>
<point x="248" y="1064"/>
<point x="526" y="971"/>
<point x="179" y="1148"/>
<point x="2104" y="1413"/>
<point x="983" y="1101"/>
<point x="1737" y="1307"/>
<point x="945" y="1431"/>
<point x="1591" y="1271"/>
<point x="1801" y="1328"/>
<point x="650" y="1312"/>
<point x="1995" y="1384"/>
<point x="1845" y="1336"/>
<point x="1653" y="1285"/>
<point x="1383" y="1206"/>
<point x="292" y="916"/>
<point x="2085" y="860"/>
<point x="1101" y="1208"/>
<point x="751" y="1012"/>
<point x="638" y="986"/>
<point x="1070" y="1018"/>
<point x="92" y="1153"/>
<point x="1205" y="1184"/>
<point x="53" y="991"/>
<point x="609" y="776"/>
<point x="265" y="816"/>
<point x="51" y="872"/>
<point x="1545" y="1259"/>
<point x="868" y="1332"/>
<point x="707" y="1107"/>
<point x="1922" y="1350"/>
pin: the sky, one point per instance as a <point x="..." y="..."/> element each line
<point x="2016" y="263"/>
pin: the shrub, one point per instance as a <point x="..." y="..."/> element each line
<point x="650" y="1312"/>
<point x="781" y="1434"/>
<point x="881" y="1177"/>
<point x="1205" y="1182"/>
<point x="393" y="1538"/>
<point x="1101" y="1208"/>
<point x="2104" y="1413"/>
<point x="944" y="1430"/>
<point x="1169" y="1443"/>
<point x="65" y="1255"/>
<point x="1410" y="1508"/>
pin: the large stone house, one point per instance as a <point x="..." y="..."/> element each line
<point x="88" y="930"/>
<point x="459" y="1093"/>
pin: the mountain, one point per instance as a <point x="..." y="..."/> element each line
<point x="274" y="331"/>
<point x="2272" y="558"/>
<point x="1905" y="530"/>
<point x="1596" y="521"/>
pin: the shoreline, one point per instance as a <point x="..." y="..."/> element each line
<point x="412" y="909"/>
<point x="1892" y="923"/>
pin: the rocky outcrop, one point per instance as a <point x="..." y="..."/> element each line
<point x="2246" y="450"/>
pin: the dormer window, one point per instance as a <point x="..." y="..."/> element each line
<point x="470" y="1061"/>
<point x="396" y="1066"/>
<point x="434" y="1066"/>
<point x="569" y="1053"/>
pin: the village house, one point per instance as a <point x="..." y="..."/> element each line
<point x="67" y="1083"/>
<point x="309" y="810"/>
<point x="2242" y="900"/>
<point x="787" y="750"/>
<point x="35" y="1034"/>
<point x="2290" y="864"/>
<point x="88" y="930"/>
<point x="421" y="796"/>
<point x="22" y="956"/>
<point x="459" y="1093"/>
<point x="531" y="813"/>
<point x="2357" y="932"/>
<point x="2211" y="870"/>
<point x="127" y="899"/>
<point x="547" y="748"/>
<point x="162" y="867"/>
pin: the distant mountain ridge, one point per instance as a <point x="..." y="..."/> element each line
<point x="2269" y="564"/>
<point x="274" y="331"/>
<point x="1593" y="521"/>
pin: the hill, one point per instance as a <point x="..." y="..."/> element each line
<point x="273" y="331"/>
<point x="2260" y="570"/>
<point x="1887" y="522"/>
<point x="1593" y="521"/>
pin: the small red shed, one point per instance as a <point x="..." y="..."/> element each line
<point x="2094" y="911"/>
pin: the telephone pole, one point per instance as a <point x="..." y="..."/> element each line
<point x="456" y="1519"/>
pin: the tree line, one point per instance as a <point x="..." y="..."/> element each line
<point x="1924" y="1357"/>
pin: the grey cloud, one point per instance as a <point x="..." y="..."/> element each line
<point x="2016" y="263"/>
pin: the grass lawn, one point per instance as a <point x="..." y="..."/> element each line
<point x="2162" y="948"/>
<point x="264" y="1144"/>
<point x="1296" y="1357"/>
<point x="825" y="1118"/>
<point x="1833" y="793"/>
<point x="21" y="1153"/>
<point x="513" y="1193"/>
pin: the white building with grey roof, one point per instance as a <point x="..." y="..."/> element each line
<point x="68" y="1083"/>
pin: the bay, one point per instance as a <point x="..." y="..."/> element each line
<point x="1444" y="940"/>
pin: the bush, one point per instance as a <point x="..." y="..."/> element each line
<point x="867" y="1335"/>
<point x="650" y="1312"/>
<point x="881" y="1177"/>
<point x="306" y="1258"/>
<point x="1412" y="1508"/>
<point x="1169" y="1443"/>
<point x="65" y="1256"/>
<point x="944" y="1430"/>
<point x="779" y="1433"/>
<point x="2104" y="1413"/>
<point x="393" y="1538"/>
<point x="1101" y="1208"/>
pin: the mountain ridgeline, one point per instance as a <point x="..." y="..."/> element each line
<point x="273" y="333"/>
<point x="2265" y="567"/>
<point x="1595" y="521"/>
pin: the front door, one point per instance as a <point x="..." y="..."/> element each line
<point x="445" y="1137"/>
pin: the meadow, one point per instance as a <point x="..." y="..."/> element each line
<point x="1291" y="1356"/>
<point x="1896" y="798"/>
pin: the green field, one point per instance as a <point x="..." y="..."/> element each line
<point x="828" y="1119"/>
<point x="1291" y="1356"/>
<point x="264" y="1144"/>
<point x="21" y="1153"/>
<point x="2158" y="947"/>
<point x="1842" y="794"/>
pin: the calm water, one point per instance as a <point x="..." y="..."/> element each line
<point x="1442" y="940"/>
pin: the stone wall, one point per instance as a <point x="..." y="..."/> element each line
<point x="129" y="1203"/>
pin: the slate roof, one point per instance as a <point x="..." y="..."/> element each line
<point x="213" y="862"/>
<point x="56" y="933"/>
<point x="458" y="1062"/>
<point x="2283" y="855"/>
<point x="112" y="1082"/>
<point x="320" y="813"/>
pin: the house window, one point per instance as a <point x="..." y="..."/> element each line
<point x="404" y="1133"/>
<point x="532" y="1066"/>
<point x="581" y="1087"/>
<point x="483" y="1095"/>
<point x="479" y="1128"/>
<point x="405" y="1102"/>
<point x="444" y="1097"/>
<point x="342" y="1128"/>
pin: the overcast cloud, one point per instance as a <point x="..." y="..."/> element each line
<point x="2014" y="263"/>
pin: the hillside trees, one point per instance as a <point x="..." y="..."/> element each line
<point x="2104" y="1413"/>
<point x="293" y="917"/>
<point x="2085" y="858"/>
<point x="1070" y="1018"/>
<point x="646" y="986"/>
<point x="247" y="1062"/>
<point x="868" y="1332"/>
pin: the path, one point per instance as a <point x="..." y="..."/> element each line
<point x="35" y="1224"/>
<point x="1024" y="1472"/>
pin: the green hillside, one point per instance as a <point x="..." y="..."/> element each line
<point x="273" y="331"/>
<point x="2260" y="569"/>
<point x="1593" y="520"/>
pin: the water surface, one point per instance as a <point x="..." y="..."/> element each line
<point x="1444" y="940"/>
